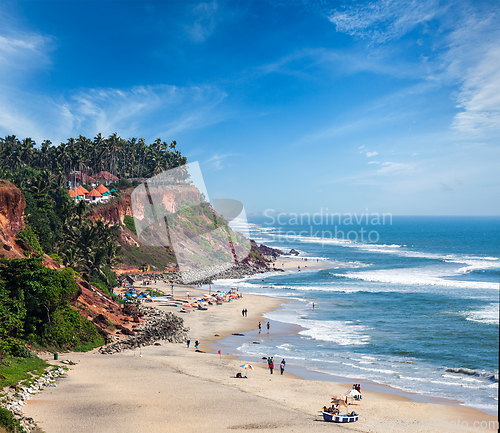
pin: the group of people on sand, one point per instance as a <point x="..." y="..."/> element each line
<point x="270" y="364"/>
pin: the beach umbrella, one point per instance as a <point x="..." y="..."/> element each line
<point x="341" y="401"/>
<point x="246" y="367"/>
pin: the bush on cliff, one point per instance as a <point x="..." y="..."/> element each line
<point x="36" y="306"/>
<point x="130" y="223"/>
<point x="30" y="238"/>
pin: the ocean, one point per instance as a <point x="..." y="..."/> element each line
<point x="407" y="302"/>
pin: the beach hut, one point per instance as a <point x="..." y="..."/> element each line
<point x="81" y="190"/>
<point x="102" y="189"/>
<point x="94" y="196"/>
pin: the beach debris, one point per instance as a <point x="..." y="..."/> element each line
<point x="236" y="333"/>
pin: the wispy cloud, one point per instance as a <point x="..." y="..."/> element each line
<point x="466" y="49"/>
<point x="479" y="96"/>
<point x="130" y="112"/>
<point x="383" y="20"/>
<point x="21" y="51"/>
<point x="396" y="168"/>
<point x="216" y="162"/>
<point x="370" y="154"/>
<point x="207" y="16"/>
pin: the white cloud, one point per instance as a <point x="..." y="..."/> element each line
<point x="370" y="154"/>
<point x="465" y="50"/>
<point x="480" y="95"/>
<point x="207" y="18"/>
<point x="383" y="20"/>
<point x="152" y="111"/>
<point x="397" y="168"/>
<point x="22" y="52"/>
<point x="373" y="162"/>
<point x="216" y="161"/>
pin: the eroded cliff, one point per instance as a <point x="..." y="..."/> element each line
<point x="12" y="205"/>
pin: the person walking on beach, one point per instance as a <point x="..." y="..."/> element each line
<point x="243" y="312"/>
<point x="268" y="326"/>
<point x="260" y="327"/>
<point x="246" y="312"/>
<point x="282" y="366"/>
<point x="196" y="343"/>
<point x="271" y="366"/>
<point x="188" y="342"/>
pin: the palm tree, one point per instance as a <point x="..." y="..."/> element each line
<point x="27" y="151"/>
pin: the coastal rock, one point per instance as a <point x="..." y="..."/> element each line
<point x="14" y="401"/>
<point x="157" y="326"/>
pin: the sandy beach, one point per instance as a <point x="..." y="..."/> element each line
<point x="176" y="389"/>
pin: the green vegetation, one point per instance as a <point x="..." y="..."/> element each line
<point x="28" y="236"/>
<point x="158" y="257"/>
<point x="35" y="308"/>
<point x="16" y="369"/>
<point x="131" y="158"/>
<point x="8" y="422"/>
<point x="130" y="223"/>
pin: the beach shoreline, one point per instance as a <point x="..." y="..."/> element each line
<point x="115" y="392"/>
<point x="228" y="344"/>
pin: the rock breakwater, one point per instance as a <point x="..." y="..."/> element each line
<point x="222" y="272"/>
<point x="157" y="326"/>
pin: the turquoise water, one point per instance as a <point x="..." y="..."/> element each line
<point x="416" y="310"/>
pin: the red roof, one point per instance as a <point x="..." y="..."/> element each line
<point x="82" y="177"/>
<point x="106" y="175"/>
<point x="72" y="193"/>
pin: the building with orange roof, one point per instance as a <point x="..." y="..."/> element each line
<point x="102" y="189"/>
<point x="81" y="190"/>
<point x="93" y="196"/>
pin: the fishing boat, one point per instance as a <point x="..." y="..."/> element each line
<point x="330" y="417"/>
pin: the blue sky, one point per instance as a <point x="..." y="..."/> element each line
<point x="390" y="106"/>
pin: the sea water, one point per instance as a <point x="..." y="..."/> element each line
<point x="415" y="307"/>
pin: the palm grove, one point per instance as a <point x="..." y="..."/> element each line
<point x="34" y="303"/>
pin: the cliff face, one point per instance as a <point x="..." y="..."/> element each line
<point x="171" y="197"/>
<point x="114" y="212"/>
<point x="12" y="205"/>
